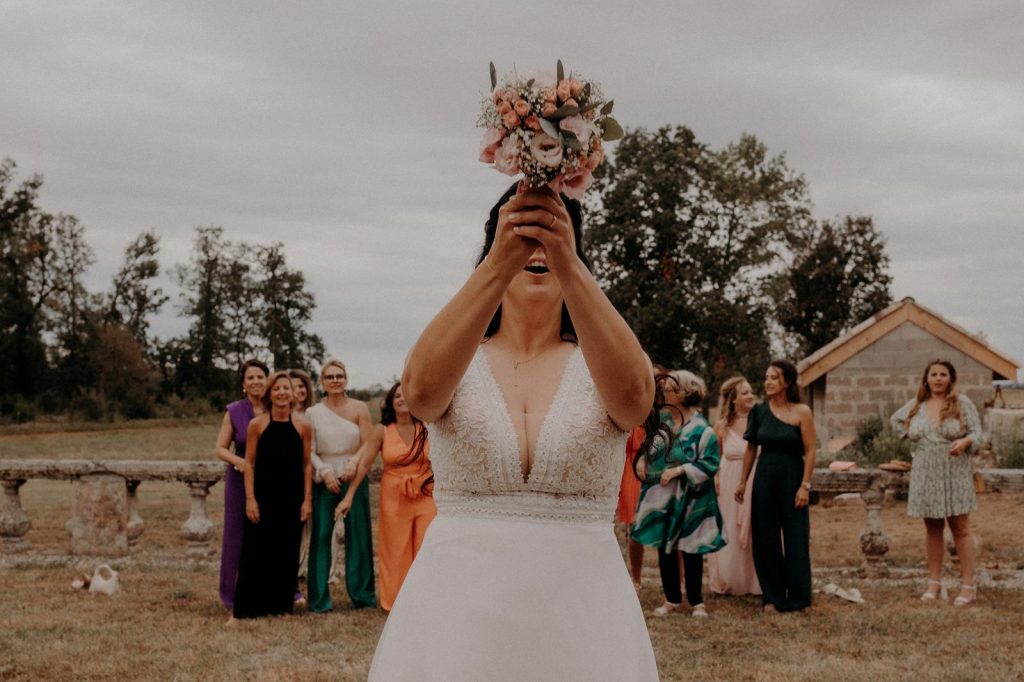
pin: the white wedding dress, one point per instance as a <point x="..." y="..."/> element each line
<point x="520" y="580"/>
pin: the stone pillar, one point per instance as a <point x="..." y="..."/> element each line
<point x="198" y="528"/>
<point x="14" y="523"/>
<point x="873" y="541"/>
<point x="99" y="516"/>
<point x="135" y="522"/>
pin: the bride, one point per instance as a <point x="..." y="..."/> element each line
<point x="529" y="381"/>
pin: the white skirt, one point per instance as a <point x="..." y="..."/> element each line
<point x="516" y="599"/>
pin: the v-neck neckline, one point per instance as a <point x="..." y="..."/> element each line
<point x="525" y="478"/>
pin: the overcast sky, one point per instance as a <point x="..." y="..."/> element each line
<point x="347" y="131"/>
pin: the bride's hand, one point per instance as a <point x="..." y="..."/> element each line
<point x="510" y="252"/>
<point x="540" y="218"/>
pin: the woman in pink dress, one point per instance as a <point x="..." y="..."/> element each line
<point x="732" y="567"/>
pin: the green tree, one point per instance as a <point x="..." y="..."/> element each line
<point x="285" y="310"/>
<point x="42" y="260"/>
<point x="133" y="297"/>
<point x="685" y="240"/>
<point x="839" y="276"/>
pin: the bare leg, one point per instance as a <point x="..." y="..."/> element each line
<point x="935" y="545"/>
<point x="961" y="528"/>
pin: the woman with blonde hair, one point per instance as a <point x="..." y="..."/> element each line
<point x="943" y="428"/>
<point x="341" y="425"/>
<point x="732" y="568"/>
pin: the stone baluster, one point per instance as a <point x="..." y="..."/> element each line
<point x="873" y="541"/>
<point x="14" y="523"/>
<point x="198" y="528"/>
<point x="135" y="522"/>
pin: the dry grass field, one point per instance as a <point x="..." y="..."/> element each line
<point x="166" y="622"/>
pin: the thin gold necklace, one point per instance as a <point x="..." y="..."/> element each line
<point x="517" y="363"/>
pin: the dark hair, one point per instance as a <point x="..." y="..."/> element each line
<point x="251" y="362"/>
<point x="575" y="210"/>
<point x="789" y="376"/>
<point x="654" y="426"/>
<point x="419" y="441"/>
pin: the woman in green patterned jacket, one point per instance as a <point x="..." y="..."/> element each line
<point x="678" y="508"/>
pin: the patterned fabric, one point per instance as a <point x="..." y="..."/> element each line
<point x="940" y="485"/>
<point x="683" y="514"/>
<point x="475" y="452"/>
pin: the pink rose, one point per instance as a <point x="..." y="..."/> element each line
<point x="570" y="103"/>
<point x="532" y="122"/>
<point x="504" y="108"/>
<point x="506" y="158"/>
<point x="549" y="95"/>
<point x="548" y="109"/>
<point x="577" y="126"/>
<point x="564" y="90"/>
<point x="595" y="159"/>
<point x="577" y="182"/>
<point x="522" y="107"/>
<point x="490" y="143"/>
<point x="511" y="119"/>
<point x="546" y="149"/>
<point x="575" y="87"/>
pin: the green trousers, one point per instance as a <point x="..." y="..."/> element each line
<point x="358" y="548"/>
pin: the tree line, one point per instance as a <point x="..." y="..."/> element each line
<point x="712" y="255"/>
<point x="67" y="349"/>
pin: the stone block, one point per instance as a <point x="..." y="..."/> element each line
<point x="880" y="395"/>
<point x="99" y="516"/>
<point x="835" y="407"/>
<point x="869" y="382"/>
<point x="836" y="379"/>
<point x="848" y="396"/>
<point x="865" y="409"/>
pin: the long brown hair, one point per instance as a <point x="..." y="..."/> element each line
<point x="727" y="395"/>
<point x="951" y="402"/>
<point x="419" y="441"/>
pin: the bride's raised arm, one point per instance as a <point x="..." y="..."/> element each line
<point x="616" y="360"/>
<point x="444" y="350"/>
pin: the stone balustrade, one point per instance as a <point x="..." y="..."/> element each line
<point x="105" y="518"/>
<point x="106" y="522"/>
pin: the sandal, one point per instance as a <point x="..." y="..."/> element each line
<point x="665" y="609"/>
<point x="962" y="600"/>
<point x="699" y="611"/>
<point x="932" y="595"/>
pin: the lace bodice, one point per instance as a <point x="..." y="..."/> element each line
<point x="578" y="456"/>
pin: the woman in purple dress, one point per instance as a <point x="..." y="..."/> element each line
<point x="233" y="429"/>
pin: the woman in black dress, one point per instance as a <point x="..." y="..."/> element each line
<point x="278" y="500"/>
<point x="783" y="427"/>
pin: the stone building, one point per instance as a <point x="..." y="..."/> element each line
<point x="877" y="366"/>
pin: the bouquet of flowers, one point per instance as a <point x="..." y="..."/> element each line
<point x="550" y="131"/>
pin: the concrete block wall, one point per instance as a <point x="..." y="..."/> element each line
<point x="886" y="374"/>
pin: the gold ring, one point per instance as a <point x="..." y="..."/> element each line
<point x="552" y="223"/>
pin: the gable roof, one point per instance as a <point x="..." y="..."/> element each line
<point x="823" y="360"/>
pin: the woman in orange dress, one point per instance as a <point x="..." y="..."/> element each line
<point x="629" y="496"/>
<point x="406" y="503"/>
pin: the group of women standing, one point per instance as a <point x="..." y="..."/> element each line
<point x="753" y="520"/>
<point x="298" y="464"/>
<point x="696" y="497"/>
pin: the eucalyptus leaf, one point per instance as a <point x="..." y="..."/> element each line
<point x="571" y="141"/>
<point x="529" y="83"/>
<point x="612" y="130"/>
<point x="494" y="77"/>
<point x="559" y="73"/>
<point x="586" y="92"/>
<point x="592" y="105"/>
<point x="549" y="127"/>
<point x="607" y="108"/>
<point x="565" y="111"/>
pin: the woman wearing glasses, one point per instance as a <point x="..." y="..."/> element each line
<point x="340" y="427"/>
